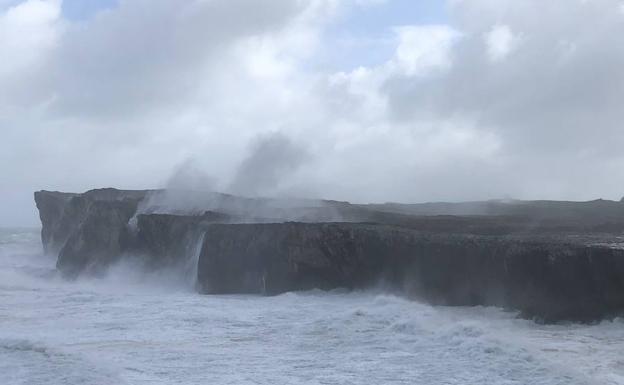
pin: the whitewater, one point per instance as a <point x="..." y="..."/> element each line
<point x="131" y="327"/>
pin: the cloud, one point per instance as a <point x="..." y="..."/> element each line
<point x="28" y="32"/>
<point x="500" y="42"/>
<point x="553" y="108"/>
<point x="424" y="48"/>
<point x="501" y="98"/>
<point x="127" y="62"/>
<point x="122" y="98"/>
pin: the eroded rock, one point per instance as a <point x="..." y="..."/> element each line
<point x="549" y="278"/>
<point x="552" y="261"/>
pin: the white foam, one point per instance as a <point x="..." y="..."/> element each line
<point x="131" y="328"/>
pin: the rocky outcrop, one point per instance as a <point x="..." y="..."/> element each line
<point x="87" y="231"/>
<point x="169" y="240"/>
<point x="62" y="214"/>
<point x="549" y="278"/>
<point x="550" y="260"/>
<point x="540" y="212"/>
<point x="100" y="239"/>
<point x="54" y="228"/>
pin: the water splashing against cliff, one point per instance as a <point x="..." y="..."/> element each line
<point x="240" y="209"/>
<point x="134" y="329"/>
<point x="193" y="259"/>
<point x="180" y="275"/>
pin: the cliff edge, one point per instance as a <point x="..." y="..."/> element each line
<point x="552" y="261"/>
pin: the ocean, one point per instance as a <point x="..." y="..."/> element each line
<point x="132" y="327"/>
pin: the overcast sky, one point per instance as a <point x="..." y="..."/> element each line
<point x="362" y="100"/>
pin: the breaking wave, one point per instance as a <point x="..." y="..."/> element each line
<point x="132" y="327"/>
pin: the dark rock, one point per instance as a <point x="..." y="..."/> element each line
<point x="540" y="212"/>
<point x="87" y="231"/>
<point x="168" y="240"/>
<point x="62" y="213"/>
<point x="550" y="278"/>
<point x="91" y="231"/>
<point x="550" y="260"/>
<point x="99" y="240"/>
<point x="54" y="230"/>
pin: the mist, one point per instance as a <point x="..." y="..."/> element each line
<point x="271" y="163"/>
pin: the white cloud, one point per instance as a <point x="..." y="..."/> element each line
<point x="500" y="42"/>
<point x="125" y="97"/>
<point x="422" y="49"/>
<point x="28" y="32"/>
<point x="553" y="102"/>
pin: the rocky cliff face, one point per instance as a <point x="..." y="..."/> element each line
<point x="62" y="214"/>
<point x="173" y="240"/>
<point x="88" y="231"/>
<point x="55" y="227"/>
<point x="548" y="278"/>
<point x="552" y="261"/>
<point x="99" y="240"/>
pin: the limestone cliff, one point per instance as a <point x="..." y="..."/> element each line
<point x="549" y="278"/>
<point x="87" y="231"/>
<point x="552" y="261"/>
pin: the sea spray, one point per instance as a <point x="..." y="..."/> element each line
<point x="133" y="329"/>
<point x="193" y="258"/>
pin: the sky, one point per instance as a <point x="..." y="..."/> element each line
<point x="360" y="100"/>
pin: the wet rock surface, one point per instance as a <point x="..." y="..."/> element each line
<point x="552" y="261"/>
<point x="100" y="239"/>
<point x="549" y="278"/>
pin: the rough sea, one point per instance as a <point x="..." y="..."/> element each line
<point x="137" y="328"/>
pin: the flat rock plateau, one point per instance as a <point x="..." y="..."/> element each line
<point x="551" y="261"/>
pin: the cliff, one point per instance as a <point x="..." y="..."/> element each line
<point x="99" y="240"/>
<point x="550" y="260"/>
<point x="549" y="278"/>
<point x="54" y="211"/>
<point x="62" y="214"/>
<point x="87" y="231"/>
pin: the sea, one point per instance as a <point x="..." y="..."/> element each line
<point x="134" y="327"/>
